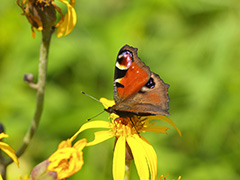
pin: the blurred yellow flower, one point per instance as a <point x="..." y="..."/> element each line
<point x="127" y="132"/>
<point x="7" y="149"/>
<point x="68" y="159"/>
<point x="42" y="14"/>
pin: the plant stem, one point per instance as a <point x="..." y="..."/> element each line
<point x="42" y="73"/>
<point x="127" y="169"/>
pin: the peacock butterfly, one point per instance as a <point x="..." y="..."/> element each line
<point x="137" y="90"/>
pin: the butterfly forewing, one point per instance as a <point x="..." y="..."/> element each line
<point x="131" y="74"/>
<point x="137" y="90"/>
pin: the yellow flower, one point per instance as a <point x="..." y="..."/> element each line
<point x="127" y="132"/>
<point x="68" y="159"/>
<point x="7" y="149"/>
<point x="42" y="14"/>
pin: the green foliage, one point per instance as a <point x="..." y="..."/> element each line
<point x="193" y="46"/>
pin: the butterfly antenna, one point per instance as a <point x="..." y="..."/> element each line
<point x="90" y="96"/>
<point x="96" y="115"/>
<point x="93" y="98"/>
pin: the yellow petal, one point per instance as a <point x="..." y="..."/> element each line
<point x="80" y="144"/>
<point x="101" y="136"/>
<point x="90" y="125"/>
<point x="69" y="22"/>
<point x="3" y="135"/>
<point x="65" y="144"/>
<point x="119" y="159"/>
<point x="151" y="157"/>
<point x="107" y="103"/>
<point x="158" y="129"/>
<point x="59" y="155"/>
<point x="166" y="119"/>
<point x="1" y="177"/>
<point x="139" y="156"/>
<point x="9" y="151"/>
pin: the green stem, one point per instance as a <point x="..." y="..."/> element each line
<point x="127" y="169"/>
<point x="42" y="73"/>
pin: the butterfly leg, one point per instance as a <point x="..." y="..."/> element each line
<point x="134" y="125"/>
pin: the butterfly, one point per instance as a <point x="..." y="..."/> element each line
<point x="137" y="90"/>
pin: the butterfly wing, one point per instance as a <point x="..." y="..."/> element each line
<point x="137" y="90"/>
<point x="131" y="74"/>
<point x="150" y="100"/>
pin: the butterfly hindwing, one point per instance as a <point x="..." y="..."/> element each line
<point x="148" y="101"/>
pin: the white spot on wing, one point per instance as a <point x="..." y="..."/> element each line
<point x="121" y="67"/>
<point x="118" y="80"/>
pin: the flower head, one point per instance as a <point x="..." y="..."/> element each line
<point x="68" y="159"/>
<point x="127" y="132"/>
<point x="41" y="14"/>
<point x="7" y="149"/>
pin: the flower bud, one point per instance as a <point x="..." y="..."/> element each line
<point x="40" y="172"/>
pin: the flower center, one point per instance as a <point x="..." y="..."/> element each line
<point x="128" y="126"/>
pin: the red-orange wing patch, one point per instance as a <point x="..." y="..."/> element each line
<point x="132" y="82"/>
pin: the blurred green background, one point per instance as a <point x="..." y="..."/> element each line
<point x="193" y="45"/>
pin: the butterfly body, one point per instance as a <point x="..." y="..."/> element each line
<point x="137" y="90"/>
